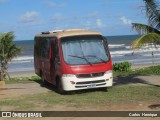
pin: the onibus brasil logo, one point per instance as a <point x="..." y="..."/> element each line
<point x="21" y="114"/>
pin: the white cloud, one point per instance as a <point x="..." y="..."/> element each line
<point x="53" y="4"/>
<point x="125" y="20"/>
<point x="29" y="17"/>
<point x="58" y="16"/>
<point x="87" y="25"/>
<point x="93" y="15"/>
<point x="90" y="24"/>
<point x="99" y="23"/>
<point x="3" y="1"/>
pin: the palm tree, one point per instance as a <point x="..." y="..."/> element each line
<point x="8" y="50"/>
<point x="151" y="32"/>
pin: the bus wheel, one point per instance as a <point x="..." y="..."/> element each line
<point x="105" y="89"/>
<point x="44" y="82"/>
<point x="59" y="86"/>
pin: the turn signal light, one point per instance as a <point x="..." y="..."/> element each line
<point x="72" y="82"/>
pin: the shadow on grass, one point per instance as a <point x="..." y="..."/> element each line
<point x="53" y="88"/>
<point x="154" y="106"/>
<point x="46" y="85"/>
<point x="118" y="80"/>
<point x="131" y="79"/>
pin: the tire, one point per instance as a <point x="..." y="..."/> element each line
<point x="59" y="86"/>
<point x="44" y="82"/>
<point x="104" y="89"/>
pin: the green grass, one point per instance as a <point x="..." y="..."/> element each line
<point x="17" y="104"/>
<point x="121" y="94"/>
<point x="153" y="70"/>
<point x="117" y="95"/>
<point x="23" y="79"/>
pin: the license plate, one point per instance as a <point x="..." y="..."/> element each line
<point x="91" y="85"/>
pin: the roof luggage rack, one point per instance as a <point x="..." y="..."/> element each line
<point x="47" y="32"/>
<point x="55" y="31"/>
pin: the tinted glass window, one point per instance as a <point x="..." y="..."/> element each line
<point x="57" y="51"/>
<point x="84" y="50"/>
<point x="42" y="47"/>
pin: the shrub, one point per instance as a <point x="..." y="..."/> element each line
<point x="122" y="67"/>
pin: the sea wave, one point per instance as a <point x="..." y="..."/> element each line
<point x="156" y="60"/>
<point x="138" y="51"/>
<point x="22" y="59"/>
<point x="25" y="61"/>
<point x="126" y="46"/>
<point x="116" y="45"/>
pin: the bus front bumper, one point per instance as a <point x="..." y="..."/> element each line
<point x="71" y="82"/>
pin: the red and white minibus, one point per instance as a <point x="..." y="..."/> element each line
<point x="73" y="59"/>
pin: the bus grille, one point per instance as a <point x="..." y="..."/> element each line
<point x="90" y="75"/>
<point x="90" y="82"/>
<point x="86" y="84"/>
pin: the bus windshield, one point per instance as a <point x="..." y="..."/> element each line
<point x="84" y="50"/>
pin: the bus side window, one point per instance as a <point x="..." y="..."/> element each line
<point x="38" y="47"/>
<point x="57" y="52"/>
<point x="42" y="44"/>
<point x="35" y="46"/>
<point x="46" y="48"/>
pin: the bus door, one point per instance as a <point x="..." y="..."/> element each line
<point x="46" y="59"/>
<point x="52" y="60"/>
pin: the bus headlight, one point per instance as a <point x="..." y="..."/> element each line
<point x="68" y="75"/>
<point x="110" y="75"/>
<point x="108" y="72"/>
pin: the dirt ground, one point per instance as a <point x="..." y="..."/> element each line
<point x="19" y="89"/>
<point x="15" y="90"/>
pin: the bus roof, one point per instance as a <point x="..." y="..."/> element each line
<point x="67" y="33"/>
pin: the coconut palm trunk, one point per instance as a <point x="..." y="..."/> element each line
<point x="5" y="70"/>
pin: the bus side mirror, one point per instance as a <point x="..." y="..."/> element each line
<point x="105" y="40"/>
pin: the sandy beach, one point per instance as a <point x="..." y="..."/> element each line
<point x="29" y="73"/>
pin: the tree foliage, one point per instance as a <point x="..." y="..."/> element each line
<point x="151" y="32"/>
<point x="8" y="50"/>
<point x="152" y="38"/>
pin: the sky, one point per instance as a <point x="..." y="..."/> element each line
<point x="110" y="17"/>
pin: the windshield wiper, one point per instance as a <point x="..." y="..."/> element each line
<point x="81" y="57"/>
<point x="96" y="57"/>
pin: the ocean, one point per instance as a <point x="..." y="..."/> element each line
<point x="119" y="47"/>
